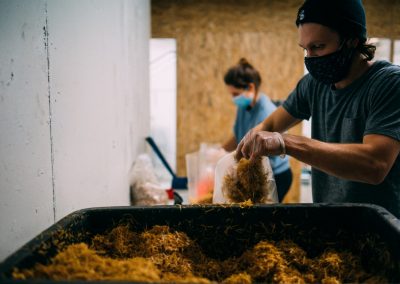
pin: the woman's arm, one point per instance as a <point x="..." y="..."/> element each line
<point x="230" y="145"/>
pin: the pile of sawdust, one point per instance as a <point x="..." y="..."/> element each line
<point x="163" y="255"/>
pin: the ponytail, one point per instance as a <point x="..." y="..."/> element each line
<point x="242" y="74"/>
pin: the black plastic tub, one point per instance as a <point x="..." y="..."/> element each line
<point x="229" y="229"/>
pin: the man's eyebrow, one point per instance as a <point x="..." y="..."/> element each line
<point x="317" y="42"/>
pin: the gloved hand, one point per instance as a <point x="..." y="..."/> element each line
<point x="260" y="143"/>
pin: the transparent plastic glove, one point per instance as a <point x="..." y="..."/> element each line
<point x="260" y="143"/>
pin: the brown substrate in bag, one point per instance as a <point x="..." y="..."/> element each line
<point x="248" y="182"/>
<point x="161" y="254"/>
<point x="206" y="199"/>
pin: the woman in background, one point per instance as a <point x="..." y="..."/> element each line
<point x="243" y="83"/>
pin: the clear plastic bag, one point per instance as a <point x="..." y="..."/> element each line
<point x="227" y="168"/>
<point x="200" y="169"/>
<point x="145" y="188"/>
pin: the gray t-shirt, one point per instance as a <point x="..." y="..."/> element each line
<point x="370" y="105"/>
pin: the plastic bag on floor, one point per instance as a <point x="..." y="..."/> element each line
<point x="145" y="189"/>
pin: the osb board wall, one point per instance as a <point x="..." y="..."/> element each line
<point x="213" y="35"/>
<point x="383" y="18"/>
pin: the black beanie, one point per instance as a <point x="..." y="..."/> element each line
<point x="347" y="17"/>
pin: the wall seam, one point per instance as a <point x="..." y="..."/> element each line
<point x="46" y="43"/>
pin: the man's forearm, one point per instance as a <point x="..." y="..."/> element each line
<point x="349" y="161"/>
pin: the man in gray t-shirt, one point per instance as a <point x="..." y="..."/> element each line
<point x="355" y="108"/>
<point x="368" y="106"/>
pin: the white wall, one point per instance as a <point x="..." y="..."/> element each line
<point x="163" y="103"/>
<point x="26" y="194"/>
<point x="72" y="116"/>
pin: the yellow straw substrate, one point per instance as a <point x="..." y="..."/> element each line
<point x="240" y="278"/>
<point x="78" y="262"/>
<point x="163" y="255"/>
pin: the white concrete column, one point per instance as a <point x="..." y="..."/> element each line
<point x="74" y="108"/>
<point x="26" y="192"/>
<point x="98" y="54"/>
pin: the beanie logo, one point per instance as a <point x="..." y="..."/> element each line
<point x="301" y="15"/>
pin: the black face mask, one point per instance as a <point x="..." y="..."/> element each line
<point x="330" y="68"/>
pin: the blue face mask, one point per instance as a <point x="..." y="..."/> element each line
<point x="242" y="101"/>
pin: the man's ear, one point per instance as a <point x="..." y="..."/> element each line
<point x="353" y="42"/>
